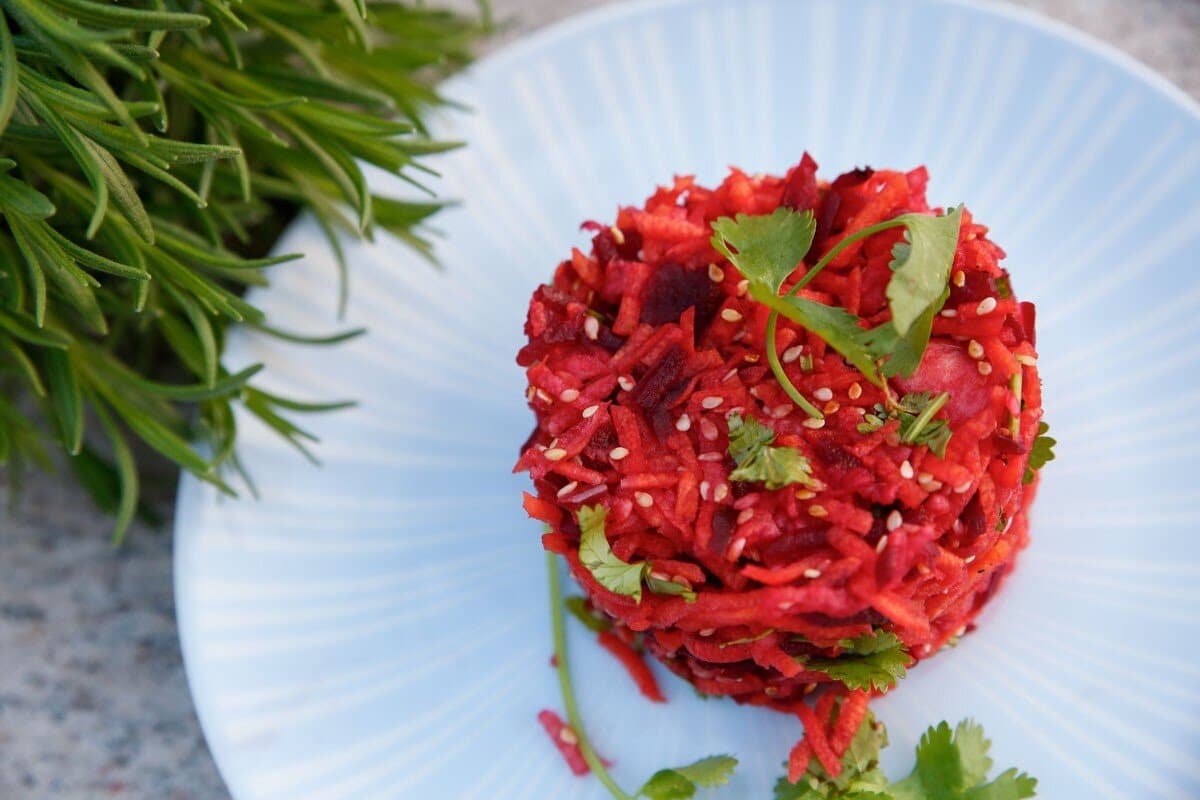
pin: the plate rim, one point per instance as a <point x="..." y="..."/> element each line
<point x="188" y="497"/>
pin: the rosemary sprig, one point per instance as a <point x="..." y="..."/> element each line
<point x="150" y="154"/>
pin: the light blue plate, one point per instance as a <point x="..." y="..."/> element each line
<point x="378" y="628"/>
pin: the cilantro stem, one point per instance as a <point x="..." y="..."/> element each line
<point x="773" y="320"/>
<point x="925" y="417"/>
<point x="558" y="624"/>
<point x="777" y="367"/>
<point x="870" y="230"/>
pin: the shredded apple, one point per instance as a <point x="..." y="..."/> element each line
<point x="645" y="353"/>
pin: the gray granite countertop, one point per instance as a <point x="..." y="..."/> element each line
<point x="93" y="699"/>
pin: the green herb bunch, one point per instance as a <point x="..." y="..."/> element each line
<point x="150" y="153"/>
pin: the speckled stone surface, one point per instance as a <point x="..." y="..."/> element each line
<point x="93" y="698"/>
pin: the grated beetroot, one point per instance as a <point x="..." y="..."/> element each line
<point x="640" y="350"/>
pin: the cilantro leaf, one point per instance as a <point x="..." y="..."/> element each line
<point x="871" y="661"/>
<point x="749" y="445"/>
<point x="747" y="437"/>
<point x="950" y="766"/>
<point x="578" y="606"/>
<point x="659" y="586"/>
<point x="619" y="577"/>
<point x="680" y="783"/>
<point x="954" y="766"/>
<point x="917" y="425"/>
<point x="860" y="778"/>
<point x="838" y="327"/>
<point x="921" y="269"/>
<point x="1041" y="453"/>
<point x="766" y="248"/>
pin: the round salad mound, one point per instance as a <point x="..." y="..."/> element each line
<point x="759" y="549"/>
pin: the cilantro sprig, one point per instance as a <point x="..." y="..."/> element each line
<point x="676" y="783"/>
<point x="750" y="447"/>
<point x="766" y="249"/>
<point x="950" y="765"/>
<point x="871" y="661"/>
<point x="1041" y="453"/>
<point x="619" y="577"/>
<point x="916" y="412"/>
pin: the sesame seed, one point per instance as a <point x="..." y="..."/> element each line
<point x="1029" y="361"/>
<point x="882" y="544"/>
<point x="735" y="548"/>
<point x="975" y="349"/>
<point x="591" y="328"/>
<point x="715" y="273"/>
<point x="755" y="391"/>
<point x="962" y="488"/>
<point x="805" y="494"/>
<point x="741" y="334"/>
<point x="590" y="412"/>
<point x="823" y="394"/>
<point x="711" y="402"/>
<point x="745" y="516"/>
<point x="779" y="412"/>
<point x="710" y="456"/>
<point x="960" y="278"/>
<point x="894" y="520"/>
<point x="855" y="391"/>
<point x="708" y="430"/>
<point x="529" y="393"/>
<point x="731" y="315"/>
<point x="818" y="511"/>
<point x="643" y="499"/>
<point x="793" y="353"/>
<point x="568" y="736"/>
<point x="832" y="407"/>
<point x="660" y="576"/>
<point x="556" y="454"/>
<point x="984" y="368"/>
<point x="749" y="358"/>
<point x="626" y="383"/>
<point x="961" y="631"/>
<point x="924" y="477"/>
<point x="541" y="395"/>
<point x="743" y="287"/>
<point x="570" y="487"/>
<point x="569" y="395"/>
<point x="684" y="423"/>
<point x="731" y="374"/>
<point x="721" y="492"/>
<point x="812" y="573"/>
<point x="617" y="453"/>
<point x="617" y="234"/>
<point x="906" y="470"/>
<point x="705" y="486"/>
<point x="968" y="559"/>
<point x="949" y="313"/>
<point x="986" y="306"/>
<point x="815" y="424"/>
<point x="862" y="412"/>
<point x="707" y="632"/>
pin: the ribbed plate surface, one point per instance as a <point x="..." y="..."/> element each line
<point x="377" y="628"/>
